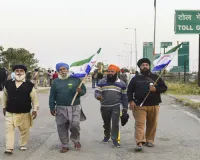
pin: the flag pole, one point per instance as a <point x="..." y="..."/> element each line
<point x="78" y="87"/>
<point x="160" y="75"/>
<point x="154" y="85"/>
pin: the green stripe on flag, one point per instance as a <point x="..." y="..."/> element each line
<point x="80" y="63"/>
<point x="174" y="49"/>
<point x="99" y="50"/>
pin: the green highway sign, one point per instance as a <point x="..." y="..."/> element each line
<point x="183" y="56"/>
<point x="165" y="44"/>
<point x="187" y="22"/>
<point x="148" y="52"/>
<point x="148" y="44"/>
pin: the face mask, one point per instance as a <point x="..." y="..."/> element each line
<point x="20" y="77"/>
<point x="111" y="77"/>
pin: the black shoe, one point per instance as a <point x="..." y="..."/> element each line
<point x="116" y="144"/>
<point x="138" y="148"/>
<point x="105" y="140"/>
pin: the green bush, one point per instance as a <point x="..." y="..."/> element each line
<point x="183" y="89"/>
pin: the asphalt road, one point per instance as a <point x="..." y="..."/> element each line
<point x="178" y="135"/>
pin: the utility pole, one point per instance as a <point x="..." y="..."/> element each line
<point x="199" y="64"/>
<point x="135" y="50"/>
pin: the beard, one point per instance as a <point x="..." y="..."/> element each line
<point x="20" y="77"/>
<point x="111" y="78"/>
<point x="145" y="71"/>
<point x="63" y="75"/>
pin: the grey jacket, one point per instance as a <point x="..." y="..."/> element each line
<point x="112" y="93"/>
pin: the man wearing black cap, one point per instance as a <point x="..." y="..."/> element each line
<point x="145" y="112"/>
<point x="19" y="97"/>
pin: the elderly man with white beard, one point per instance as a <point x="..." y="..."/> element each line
<point x="19" y="98"/>
<point x="67" y="116"/>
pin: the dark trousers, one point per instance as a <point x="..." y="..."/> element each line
<point x="111" y="115"/>
<point x="2" y="83"/>
<point x="97" y="81"/>
<point x="51" y="81"/>
<point x="93" y="83"/>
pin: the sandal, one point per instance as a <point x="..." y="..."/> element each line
<point x="64" y="150"/>
<point x="8" y="151"/>
<point x="23" y="148"/>
<point x="149" y="144"/>
<point x="77" y="145"/>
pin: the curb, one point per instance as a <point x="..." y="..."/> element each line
<point x="185" y="101"/>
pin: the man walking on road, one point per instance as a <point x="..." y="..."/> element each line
<point x="111" y="92"/>
<point x="67" y="117"/>
<point x="55" y="75"/>
<point x="147" y="114"/>
<point x="19" y="97"/>
<point x="123" y="77"/>
<point x="36" y="78"/>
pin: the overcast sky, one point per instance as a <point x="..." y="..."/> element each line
<point x="71" y="30"/>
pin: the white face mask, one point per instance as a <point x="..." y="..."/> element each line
<point x="20" y="77"/>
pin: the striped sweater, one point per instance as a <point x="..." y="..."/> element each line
<point x="113" y="93"/>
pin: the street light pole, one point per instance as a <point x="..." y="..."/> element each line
<point x="127" y="57"/>
<point x="135" y="51"/>
<point x="118" y="59"/>
<point x="135" y="38"/>
<point x="131" y="54"/>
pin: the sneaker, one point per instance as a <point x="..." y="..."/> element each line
<point x="138" y="148"/>
<point x="116" y="144"/>
<point x="23" y="148"/>
<point x="105" y="140"/>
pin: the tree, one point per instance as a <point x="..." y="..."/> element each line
<point x="1" y="62"/>
<point x="14" y="56"/>
<point x="1" y="48"/>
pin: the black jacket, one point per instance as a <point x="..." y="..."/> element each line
<point x="3" y="75"/>
<point x="138" y="88"/>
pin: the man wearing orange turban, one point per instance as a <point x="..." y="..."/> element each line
<point x="111" y="92"/>
<point x="114" y="67"/>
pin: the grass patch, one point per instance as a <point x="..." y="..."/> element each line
<point x="183" y="89"/>
<point x="188" y="102"/>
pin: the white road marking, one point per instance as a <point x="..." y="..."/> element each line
<point x="191" y="115"/>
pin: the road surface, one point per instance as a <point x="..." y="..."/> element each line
<point x="178" y="135"/>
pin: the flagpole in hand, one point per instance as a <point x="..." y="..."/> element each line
<point x="78" y="87"/>
<point x="83" y="80"/>
<point x="153" y="85"/>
